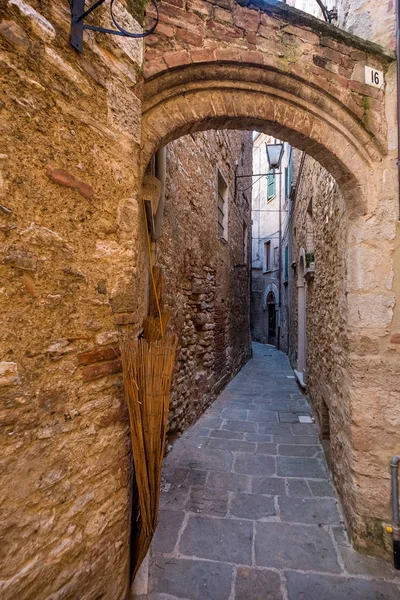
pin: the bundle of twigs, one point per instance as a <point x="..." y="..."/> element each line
<point x="147" y="365"/>
<point x="155" y="325"/>
<point x="147" y="372"/>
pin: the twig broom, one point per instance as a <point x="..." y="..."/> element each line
<point x="147" y="371"/>
<point x="147" y="365"/>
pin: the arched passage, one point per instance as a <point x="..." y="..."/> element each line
<point x="278" y="71"/>
<point x="273" y="69"/>
<point x="318" y="125"/>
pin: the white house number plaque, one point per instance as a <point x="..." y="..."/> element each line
<point x="374" y="77"/>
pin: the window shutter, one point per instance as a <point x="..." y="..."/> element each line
<point x="271" y="191"/>
<point x="286" y="262"/>
<point x="287" y="188"/>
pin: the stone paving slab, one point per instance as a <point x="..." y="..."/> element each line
<point x="226" y="435"/>
<point x="192" y="579"/>
<point x="208" y="501"/>
<point x="233" y="482"/>
<point x="224" y="540"/>
<point x="306" y="510"/>
<point x="253" y="464"/>
<point x="288" y="466"/>
<point x="243" y="426"/>
<point x="169" y="525"/>
<point x="252" y="506"/>
<point x="218" y="460"/>
<point x="271" y="486"/>
<point x="257" y="584"/>
<point x="302" y="451"/>
<point x="324" y="587"/>
<point x="235" y="445"/>
<point x="247" y="509"/>
<point x="289" y="545"/>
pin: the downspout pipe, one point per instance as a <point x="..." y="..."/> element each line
<point x="398" y="89"/>
<point x="161" y="173"/>
<point x="394" y="467"/>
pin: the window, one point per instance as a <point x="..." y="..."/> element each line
<point x="222" y="208"/>
<point x="267" y="255"/>
<point x="276" y="257"/>
<point x="271" y="184"/>
<point x="286" y="274"/>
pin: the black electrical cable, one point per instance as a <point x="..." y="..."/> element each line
<point x="135" y="35"/>
<point x="120" y="30"/>
<point x="324" y="10"/>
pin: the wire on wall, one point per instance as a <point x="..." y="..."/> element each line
<point x="79" y="14"/>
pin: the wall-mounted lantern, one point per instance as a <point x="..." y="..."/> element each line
<point x="274" y="155"/>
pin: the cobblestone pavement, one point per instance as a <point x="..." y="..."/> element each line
<point x="248" y="511"/>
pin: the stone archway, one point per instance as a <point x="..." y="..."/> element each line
<point x="277" y="70"/>
<point x="274" y="69"/>
<point x="270" y="307"/>
<point x="270" y="287"/>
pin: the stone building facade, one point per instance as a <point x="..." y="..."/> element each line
<point x="318" y="336"/>
<point x="321" y="344"/>
<point x="366" y="18"/>
<point x="77" y="134"/>
<point x="207" y="271"/>
<point x="270" y="246"/>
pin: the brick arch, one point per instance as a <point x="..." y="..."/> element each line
<point x="345" y="152"/>
<point x="270" y="68"/>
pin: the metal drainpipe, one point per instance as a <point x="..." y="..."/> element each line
<point x="161" y="169"/>
<point x="398" y="89"/>
<point x="394" y="465"/>
<point x="280" y="257"/>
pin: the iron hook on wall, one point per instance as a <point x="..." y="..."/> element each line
<point x="79" y="14"/>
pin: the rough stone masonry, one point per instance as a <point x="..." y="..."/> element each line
<point x="207" y="285"/>
<point x="77" y="133"/>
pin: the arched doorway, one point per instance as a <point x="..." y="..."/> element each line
<point x="271" y="318"/>
<point x="271" y="313"/>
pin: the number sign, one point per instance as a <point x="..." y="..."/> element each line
<point x="374" y="77"/>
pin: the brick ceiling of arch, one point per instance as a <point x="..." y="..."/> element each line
<point x="222" y="56"/>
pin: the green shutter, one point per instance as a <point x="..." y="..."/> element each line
<point x="289" y="175"/>
<point x="271" y="184"/>
<point x="287" y="188"/>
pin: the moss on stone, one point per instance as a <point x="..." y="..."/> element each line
<point x="137" y="9"/>
<point x="365" y="104"/>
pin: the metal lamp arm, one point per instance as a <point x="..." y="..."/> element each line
<point x="78" y="25"/>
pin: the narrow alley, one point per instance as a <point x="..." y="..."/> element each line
<point x="200" y="300"/>
<point x="248" y="509"/>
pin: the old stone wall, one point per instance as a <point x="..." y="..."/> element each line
<point x="368" y="19"/>
<point x="359" y="422"/>
<point x="319" y="206"/>
<point x="69" y="270"/>
<point x="73" y="265"/>
<point x="338" y="357"/>
<point x="207" y="279"/>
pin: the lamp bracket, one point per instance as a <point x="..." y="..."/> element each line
<point x="259" y="175"/>
<point x="79" y="14"/>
